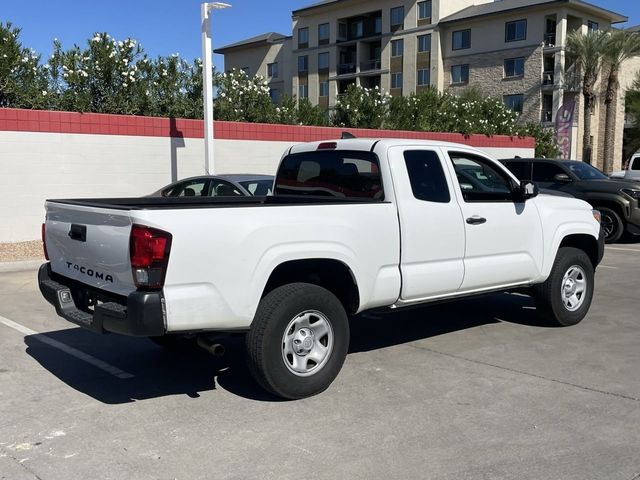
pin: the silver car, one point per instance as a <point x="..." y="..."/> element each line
<point x="236" y="185"/>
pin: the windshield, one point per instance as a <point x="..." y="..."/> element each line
<point x="584" y="171"/>
<point x="258" y="187"/>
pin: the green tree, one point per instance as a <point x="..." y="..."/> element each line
<point x="632" y="106"/>
<point x="588" y="51"/>
<point x="23" y="81"/>
<point x="546" y="145"/>
<point x="621" y="45"/>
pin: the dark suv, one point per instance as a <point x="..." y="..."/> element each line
<point x="617" y="200"/>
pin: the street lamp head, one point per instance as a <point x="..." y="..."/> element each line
<point x="217" y="5"/>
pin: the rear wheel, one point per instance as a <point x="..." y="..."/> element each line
<point x="564" y="299"/>
<point x="612" y="224"/>
<point x="298" y="340"/>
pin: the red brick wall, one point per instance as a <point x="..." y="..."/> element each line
<point x="103" y="124"/>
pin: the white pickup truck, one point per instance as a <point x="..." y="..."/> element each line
<point x="632" y="169"/>
<point x="353" y="225"/>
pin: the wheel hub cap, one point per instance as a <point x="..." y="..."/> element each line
<point x="307" y="343"/>
<point x="574" y="288"/>
<point x="303" y="341"/>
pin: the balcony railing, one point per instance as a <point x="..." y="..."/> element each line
<point x="549" y="39"/>
<point x="548" y="78"/>
<point x="345" y="68"/>
<point x="547" y="116"/>
<point x="374" y="64"/>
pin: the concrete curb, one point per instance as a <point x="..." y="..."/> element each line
<point x="20" y="266"/>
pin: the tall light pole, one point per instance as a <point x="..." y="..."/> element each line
<point x="207" y="80"/>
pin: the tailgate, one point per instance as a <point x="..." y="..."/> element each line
<point x="90" y="245"/>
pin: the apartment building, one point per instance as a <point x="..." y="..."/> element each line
<point x="514" y="49"/>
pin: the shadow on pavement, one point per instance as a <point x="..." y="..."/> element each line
<point x="159" y="373"/>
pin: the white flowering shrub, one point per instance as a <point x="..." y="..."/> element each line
<point x="23" y="81"/>
<point x="362" y="107"/>
<point x="243" y="99"/>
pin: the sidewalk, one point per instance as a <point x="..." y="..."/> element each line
<point x="15" y="257"/>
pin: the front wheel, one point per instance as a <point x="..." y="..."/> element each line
<point x="565" y="297"/>
<point x="611" y="224"/>
<point x="298" y="340"/>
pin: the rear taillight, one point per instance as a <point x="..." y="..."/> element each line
<point x="44" y="242"/>
<point x="149" y="253"/>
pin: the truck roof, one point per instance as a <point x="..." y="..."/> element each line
<point x="367" y="144"/>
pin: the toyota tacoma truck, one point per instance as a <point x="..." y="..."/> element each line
<point x="352" y="225"/>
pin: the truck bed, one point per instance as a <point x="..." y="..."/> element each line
<point x="165" y="203"/>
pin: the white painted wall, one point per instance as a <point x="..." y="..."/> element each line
<point x="37" y="166"/>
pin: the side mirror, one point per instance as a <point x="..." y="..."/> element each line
<point x="562" y="177"/>
<point x="526" y="190"/>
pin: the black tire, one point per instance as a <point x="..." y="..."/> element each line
<point x="549" y="295"/>
<point x="265" y="342"/>
<point x="174" y="343"/>
<point x="612" y="224"/>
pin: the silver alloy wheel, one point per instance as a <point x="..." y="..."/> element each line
<point x="307" y="343"/>
<point x="574" y="288"/>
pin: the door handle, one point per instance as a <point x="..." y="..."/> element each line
<point x="476" y="220"/>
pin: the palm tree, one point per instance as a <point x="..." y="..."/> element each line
<point x="588" y="51"/>
<point x="621" y="45"/>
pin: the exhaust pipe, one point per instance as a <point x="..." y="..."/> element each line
<point x="212" y="346"/>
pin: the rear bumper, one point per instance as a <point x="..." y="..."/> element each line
<point x="141" y="314"/>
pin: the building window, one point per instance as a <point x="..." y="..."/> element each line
<point x="303" y="64"/>
<point x="593" y="26"/>
<point x="397" y="18"/>
<point x="459" y="74"/>
<point x="303" y="91"/>
<point x="397" y="48"/>
<point x="272" y="70"/>
<point x="424" y="43"/>
<point x="396" y="80"/>
<point x="514" y="67"/>
<point x="424" y="10"/>
<point x="378" y="25"/>
<point x="324" y="89"/>
<point x="514" y="102"/>
<point x="323" y="34"/>
<point x="461" y="39"/>
<point x="303" y="37"/>
<point x="342" y="31"/>
<point x="424" y="77"/>
<point x="245" y="70"/>
<point x="323" y="61"/>
<point x="515" y="31"/>
<point x="274" y="94"/>
<point x="356" y="29"/>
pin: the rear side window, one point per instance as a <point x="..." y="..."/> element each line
<point x="522" y="170"/>
<point x="333" y="173"/>
<point x="635" y="165"/>
<point x="426" y="175"/>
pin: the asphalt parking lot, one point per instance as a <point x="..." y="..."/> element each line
<point x="470" y="390"/>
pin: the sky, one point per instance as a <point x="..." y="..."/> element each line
<point x="164" y="27"/>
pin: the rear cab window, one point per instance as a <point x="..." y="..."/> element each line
<point x="345" y="174"/>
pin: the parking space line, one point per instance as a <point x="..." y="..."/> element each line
<point x="85" y="357"/>
<point x="607" y="266"/>
<point x="624" y="249"/>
